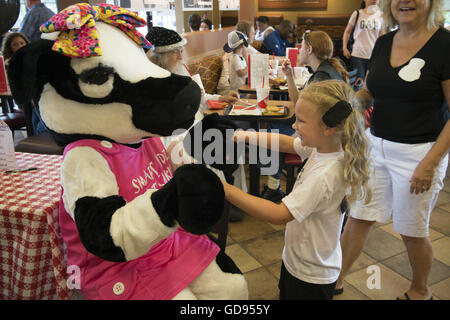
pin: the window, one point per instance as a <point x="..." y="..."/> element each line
<point x="162" y="11"/>
<point x="164" y="19"/>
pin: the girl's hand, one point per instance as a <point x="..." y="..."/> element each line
<point x="176" y="156"/>
<point x="231" y="97"/>
<point x="422" y="177"/>
<point x="286" y="67"/>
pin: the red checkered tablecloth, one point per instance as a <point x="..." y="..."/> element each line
<point x="32" y="261"/>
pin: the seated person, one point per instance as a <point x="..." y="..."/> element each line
<point x="237" y="44"/>
<point x="224" y="82"/>
<point x="206" y="24"/>
<point x="277" y="41"/>
<point x="11" y="43"/>
<point x="263" y="28"/>
<point x="194" y="22"/>
<point x="168" y="54"/>
<point x="317" y="53"/>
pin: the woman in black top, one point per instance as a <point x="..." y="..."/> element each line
<point x="409" y="79"/>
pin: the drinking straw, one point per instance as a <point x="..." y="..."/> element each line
<point x="248" y="107"/>
<point x="187" y="69"/>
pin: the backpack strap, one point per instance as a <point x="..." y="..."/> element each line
<point x="351" y="40"/>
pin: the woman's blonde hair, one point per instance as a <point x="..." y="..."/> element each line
<point x="324" y="95"/>
<point x="435" y="15"/>
<point x="322" y="47"/>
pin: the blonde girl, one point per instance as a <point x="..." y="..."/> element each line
<point x="331" y="135"/>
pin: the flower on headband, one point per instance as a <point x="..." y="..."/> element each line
<point x="79" y="38"/>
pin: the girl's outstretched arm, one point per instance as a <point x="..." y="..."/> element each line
<point x="257" y="207"/>
<point x="266" y="139"/>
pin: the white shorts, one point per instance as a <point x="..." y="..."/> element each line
<point x="392" y="166"/>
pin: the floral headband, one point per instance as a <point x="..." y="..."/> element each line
<point x="79" y="38"/>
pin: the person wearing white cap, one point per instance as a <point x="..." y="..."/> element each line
<point x="247" y="28"/>
<point x="237" y="43"/>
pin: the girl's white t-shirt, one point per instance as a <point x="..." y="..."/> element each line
<point x="312" y="251"/>
<point x="368" y="28"/>
<point x="237" y="62"/>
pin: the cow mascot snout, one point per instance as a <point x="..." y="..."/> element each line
<point x="135" y="229"/>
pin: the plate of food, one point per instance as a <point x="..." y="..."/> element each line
<point x="275" y="111"/>
<point x="277" y="82"/>
<point x="239" y="110"/>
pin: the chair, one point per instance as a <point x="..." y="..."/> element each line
<point x="209" y="68"/>
<point x="13" y="117"/>
<point x="291" y="162"/>
<point x="41" y="143"/>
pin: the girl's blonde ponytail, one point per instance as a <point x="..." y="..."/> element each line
<point x="356" y="157"/>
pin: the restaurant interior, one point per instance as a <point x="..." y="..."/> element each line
<point x="33" y="254"/>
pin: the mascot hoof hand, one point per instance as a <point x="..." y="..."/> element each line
<point x="194" y="197"/>
<point x="211" y="142"/>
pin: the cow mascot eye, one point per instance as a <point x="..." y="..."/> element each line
<point x="136" y="228"/>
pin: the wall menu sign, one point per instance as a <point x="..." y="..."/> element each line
<point x="197" y="5"/>
<point x="292" y="4"/>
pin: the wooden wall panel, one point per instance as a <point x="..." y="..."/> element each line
<point x="204" y="43"/>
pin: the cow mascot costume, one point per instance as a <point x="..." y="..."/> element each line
<point x="136" y="229"/>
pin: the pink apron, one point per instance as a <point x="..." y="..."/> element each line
<point x="169" y="266"/>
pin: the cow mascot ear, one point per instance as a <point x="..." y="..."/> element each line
<point x="26" y="72"/>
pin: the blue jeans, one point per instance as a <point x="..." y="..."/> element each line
<point x="38" y="124"/>
<point x="361" y="64"/>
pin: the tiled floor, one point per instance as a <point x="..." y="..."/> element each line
<point x="256" y="248"/>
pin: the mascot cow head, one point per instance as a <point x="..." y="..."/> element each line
<point x="85" y="84"/>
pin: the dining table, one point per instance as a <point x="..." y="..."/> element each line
<point x="255" y="123"/>
<point x="32" y="252"/>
